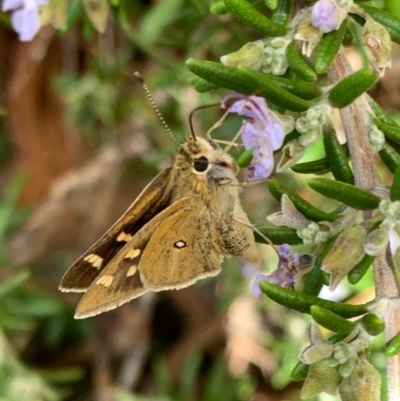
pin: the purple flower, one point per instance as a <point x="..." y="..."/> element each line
<point x="325" y="15"/>
<point x="291" y="266"/>
<point x="25" y="18"/>
<point x="263" y="133"/>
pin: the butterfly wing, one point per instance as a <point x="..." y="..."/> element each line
<point x="189" y="249"/>
<point x="90" y="265"/>
<point x="120" y="282"/>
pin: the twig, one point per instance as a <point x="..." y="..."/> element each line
<point x="355" y="122"/>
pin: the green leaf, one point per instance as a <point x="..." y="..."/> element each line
<point x="351" y="87"/>
<point x="305" y="208"/>
<point x="331" y="320"/>
<point x="336" y="156"/>
<point x="328" y="47"/>
<point x="298" y="65"/>
<point x="303" y="302"/>
<point x="279" y="236"/>
<point x="395" y="188"/>
<point x="346" y="193"/>
<point x="253" y="19"/>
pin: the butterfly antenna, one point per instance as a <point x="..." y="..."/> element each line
<point x="194" y="111"/>
<point x="153" y="104"/>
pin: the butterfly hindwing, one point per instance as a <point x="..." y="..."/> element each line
<point x="87" y="267"/>
<point x="190" y="251"/>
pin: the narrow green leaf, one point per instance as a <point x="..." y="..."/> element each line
<point x="393" y="347"/>
<point x="331" y="320"/>
<point x="336" y="156"/>
<point x="346" y="193"/>
<point x="244" y="160"/>
<point x="328" y="47"/>
<point x="390" y="157"/>
<point x="298" y="65"/>
<point x="304" y="207"/>
<point x="253" y="19"/>
<point x="359" y="270"/>
<point x="279" y="236"/>
<point x="302" y="302"/>
<point x="372" y="324"/>
<point x="395" y="188"/>
<point x="299" y="372"/>
<point x="282" y="12"/>
<point x="351" y="87"/>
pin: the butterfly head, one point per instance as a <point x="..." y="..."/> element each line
<point x="204" y="158"/>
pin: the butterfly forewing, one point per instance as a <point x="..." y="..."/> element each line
<point x="119" y="281"/>
<point x="149" y="203"/>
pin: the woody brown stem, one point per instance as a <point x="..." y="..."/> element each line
<point x="355" y="121"/>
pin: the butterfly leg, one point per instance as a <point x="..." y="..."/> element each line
<point x="215" y="126"/>
<point x="255" y="229"/>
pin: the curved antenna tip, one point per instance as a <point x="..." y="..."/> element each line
<point x="138" y="76"/>
<point x="153" y="104"/>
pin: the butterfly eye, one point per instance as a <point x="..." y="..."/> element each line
<point x="200" y="164"/>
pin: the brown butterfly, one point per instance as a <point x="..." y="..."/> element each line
<point x="176" y="232"/>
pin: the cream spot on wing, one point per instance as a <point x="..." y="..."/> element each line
<point x="132" y="270"/>
<point x="123" y="236"/>
<point x="180" y="244"/>
<point x="105" y="280"/>
<point x="132" y="253"/>
<point x="94" y="260"/>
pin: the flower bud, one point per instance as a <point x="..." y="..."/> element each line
<point x="292" y="152"/>
<point x="315" y="233"/>
<point x="321" y="378"/>
<point x="376" y="241"/>
<point x="317" y="115"/>
<point x="289" y="216"/>
<point x="347" y="368"/>
<point x="376" y="138"/>
<point x="346" y="252"/>
<point x="326" y="16"/>
<point x="302" y="125"/>
<point x="391" y="210"/>
<point x="377" y="45"/>
<point x="250" y="55"/>
<point x="310" y="138"/>
<point x="363" y="384"/>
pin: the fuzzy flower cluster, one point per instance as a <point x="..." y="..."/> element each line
<point x="291" y="266"/>
<point x="342" y="366"/>
<point x="25" y="17"/>
<point x="387" y="233"/>
<point x="327" y="15"/>
<point x="261" y="132"/>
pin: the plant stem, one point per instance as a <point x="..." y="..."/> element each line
<point x="355" y="121"/>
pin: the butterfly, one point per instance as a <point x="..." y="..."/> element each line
<point x="178" y="230"/>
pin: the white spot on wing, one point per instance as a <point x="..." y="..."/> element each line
<point x="95" y="260"/>
<point x="123" y="236"/>
<point x="132" y="270"/>
<point x="132" y="253"/>
<point x="180" y="244"/>
<point x="105" y="280"/>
